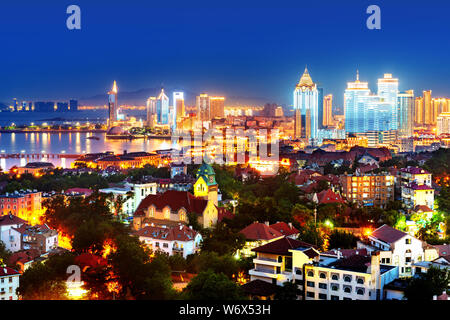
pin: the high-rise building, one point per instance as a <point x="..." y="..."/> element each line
<point x="388" y="89"/>
<point x="203" y="106"/>
<point x="41" y="106"/>
<point x="217" y="107"/>
<point x="355" y="98"/>
<point x="113" y="106"/>
<point x="443" y="123"/>
<point x="441" y="105"/>
<point x="306" y="99"/>
<point x="178" y="109"/>
<point x="62" y="106"/>
<point x="327" y="110"/>
<point x="320" y="108"/>
<point x="429" y="113"/>
<point x="162" y="108"/>
<point x="405" y="114"/>
<point x="151" y="112"/>
<point x="73" y="105"/>
<point x="418" y="111"/>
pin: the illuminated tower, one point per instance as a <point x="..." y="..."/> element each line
<point x="217" y="107"/>
<point x="355" y="98"/>
<point x="113" y="106"/>
<point x="151" y="112"/>
<point x="306" y="99"/>
<point x="178" y="108"/>
<point x="429" y="113"/>
<point x="162" y="108"/>
<point x="418" y="111"/>
<point x="387" y="94"/>
<point x="406" y="113"/>
<point x="327" y="110"/>
<point x="203" y="105"/>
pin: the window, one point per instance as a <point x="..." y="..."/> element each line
<point x="322" y="285"/>
<point x="334" y="297"/>
<point x="322" y="296"/>
<point x="360" y="291"/>
<point x="347" y="289"/>
<point x="165" y="245"/>
<point x="335" y="277"/>
<point x="408" y="259"/>
<point x="310" y="294"/>
<point x="298" y="271"/>
<point x="347" y="298"/>
<point x="360" y="281"/>
<point x="310" y="274"/>
<point x="334" y="287"/>
<point x="310" y="284"/>
<point x="408" y="241"/>
<point x="347" y="279"/>
<point x="323" y="275"/>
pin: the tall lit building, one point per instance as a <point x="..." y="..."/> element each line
<point x="162" y="108"/>
<point x="320" y="108"/>
<point x="203" y="105"/>
<point x="113" y="106"/>
<point x="443" y="123"/>
<point x="355" y="97"/>
<point x="405" y="114"/>
<point x="327" y="110"/>
<point x="178" y="108"/>
<point x="418" y="111"/>
<point x="151" y="112"/>
<point x="440" y="105"/>
<point x="306" y="100"/>
<point x="429" y="114"/>
<point x="217" y="107"/>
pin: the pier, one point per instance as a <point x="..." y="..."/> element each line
<point x="38" y="156"/>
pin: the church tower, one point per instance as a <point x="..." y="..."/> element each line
<point x="206" y="186"/>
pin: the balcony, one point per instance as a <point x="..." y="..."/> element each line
<point x="267" y="261"/>
<point x="263" y="273"/>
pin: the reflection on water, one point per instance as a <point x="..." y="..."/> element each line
<point x="44" y="143"/>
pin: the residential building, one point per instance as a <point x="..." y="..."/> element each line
<point x="396" y="248"/>
<point x="256" y="235"/>
<point x="179" y="239"/>
<point x="9" y="282"/>
<point x="36" y="169"/>
<point x="9" y="234"/>
<point x="38" y="237"/>
<point x="24" y="204"/>
<point x="368" y="189"/>
<point x="416" y="188"/>
<point x="443" y="123"/>
<point x="217" y="107"/>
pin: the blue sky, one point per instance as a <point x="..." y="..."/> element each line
<point x="239" y="48"/>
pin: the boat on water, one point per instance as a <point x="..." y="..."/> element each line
<point x="93" y="138"/>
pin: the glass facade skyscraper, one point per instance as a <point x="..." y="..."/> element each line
<point x="162" y="108"/>
<point x="405" y="113"/>
<point x="355" y="98"/>
<point x="306" y="100"/>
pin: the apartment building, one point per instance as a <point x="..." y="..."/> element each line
<point x="9" y="282"/>
<point x="8" y="233"/>
<point x="368" y="189"/>
<point x="24" y="204"/>
<point x="416" y="188"/>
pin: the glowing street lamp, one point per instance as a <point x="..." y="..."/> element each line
<point x="328" y="224"/>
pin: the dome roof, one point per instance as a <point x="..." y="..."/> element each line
<point x="115" y="130"/>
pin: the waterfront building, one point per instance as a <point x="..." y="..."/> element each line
<point x="162" y="108"/>
<point x="113" y="107"/>
<point x="73" y="105"/>
<point x="406" y="114"/>
<point x="306" y="100"/>
<point x="179" y="109"/>
<point x="368" y="189"/>
<point x="127" y="160"/>
<point x="443" y="123"/>
<point x="36" y="169"/>
<point x="41" y="106"/>
<point x="151" y="112"/>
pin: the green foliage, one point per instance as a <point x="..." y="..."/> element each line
<point x="222" y="240"/>
<point x="209" y="285"/>
<point x="439" y="163"/>
<point x="4" y="254"/>
<point x="342" y="240"/>
<point x="177" y="262"/>
<point x="205" y="261"/>
<point x="148" y="170"/>
<point x="311" y="235"/>
<point x="426" y="285"/>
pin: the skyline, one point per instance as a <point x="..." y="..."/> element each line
<point x="262" y="53"/>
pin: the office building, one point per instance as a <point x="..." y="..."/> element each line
<point x="355" y="97"/>
<point x="113" y="107"/>
<point x="162" y="108"/>
<point x="73" y="105"/>
<point x="306" y="99"/>
<point x="443" y="123"/>
<point x="327" y="110"/>
<point x="217" y="105"/>
<point x="418" y="111"/>
<point x="151" y="112"/>
<point x="405" y="114"/>
<point x="179" y="109"/>
<point x="203" y="106"/>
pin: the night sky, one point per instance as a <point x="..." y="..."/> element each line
<point x="239" y="48"/>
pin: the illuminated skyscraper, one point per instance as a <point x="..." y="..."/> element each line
<point x="162" y="108"/>
<point x="328" y="110"/>
<point x="178" y="108"/>
<point x="418" y="111"/>
<point x="429" y="113"/>
<point x="217" y="107"/>
<point x="388" y="89"/>
<point x="406" y="114"/>
<point x="306" y="100"/>
<point x="113" y="106"/>
<point x="355" y="98"/>
<point x="203" y="105"/>
<point x="320" y="108"/>
<point x="151" y="112"/>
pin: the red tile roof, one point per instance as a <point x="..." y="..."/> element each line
<point x="388" y="234"/>
<point x="422" y="208"/>
<point x="176" y="233"/>
<point x="5" y="271"/>
<point x="23" y="256"/>
<point x="7" y="220"/>
<point x="328" y="196"/>
<point x="222" y="213"/>
<point x="260" y="231"/>
<point x="414" y="170"/>
<point x="175" y="200"/>
<point x="259" y="288"/>
<point x="347" y="252"/>
<point x="284" y="228"/>
<point x="282" y="246"/>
